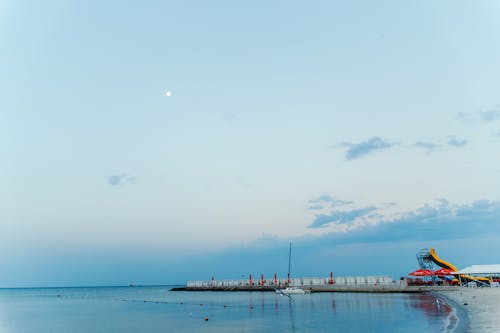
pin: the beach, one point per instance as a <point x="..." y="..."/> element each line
<point x="481" y="305"/>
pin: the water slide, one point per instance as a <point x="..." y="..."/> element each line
<point x="441" y="263"/>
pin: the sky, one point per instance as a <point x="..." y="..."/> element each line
<point x="360" y="131"/>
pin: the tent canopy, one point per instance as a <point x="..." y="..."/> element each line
<point x="422" y="272"/>
<point x="480" y="269"/>
<point x="444" y="271"/>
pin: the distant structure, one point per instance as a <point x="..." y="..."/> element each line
<point x="294" y="282"/>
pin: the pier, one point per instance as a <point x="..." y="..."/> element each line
<point x="360" y="284"/>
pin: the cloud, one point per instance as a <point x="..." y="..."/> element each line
<point x="427" y="145"/>
<point x="324" y="201"/>
<point x="340" y="217"/>
<point x="230" y="118"/>
<point x="486" y="116"/>
<point x="357" y="150"/>
<point x="121" y="179"/>
<point x="489" y="115"/>
<point x="385" y="248"/>
<point x="430" y="146"/>
<point x="325" y="198"/>
<point x="440" y="220"/>
<point x="457" y="142"/>
<point x="464" y="234"/>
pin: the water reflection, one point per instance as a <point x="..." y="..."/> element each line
<point x="292" y="314"/>
<point x="370" y="306"/>
<point x="430" y="305"/>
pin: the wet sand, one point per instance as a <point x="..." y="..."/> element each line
<point x="482" y="306"/>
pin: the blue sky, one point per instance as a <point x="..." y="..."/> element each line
<point x="362" y="131"/>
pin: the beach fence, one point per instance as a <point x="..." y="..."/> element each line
<point x="363" y="280"/>
<point x="296" y="282"/>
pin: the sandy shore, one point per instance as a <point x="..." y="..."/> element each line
<point x="482" y="306"/>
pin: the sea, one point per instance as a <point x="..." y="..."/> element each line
<point x="158" y="309"/>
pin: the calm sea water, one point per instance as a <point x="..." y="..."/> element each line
<point x="156" y="309"/>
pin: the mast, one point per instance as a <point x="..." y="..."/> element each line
<point x="289" y="261"/>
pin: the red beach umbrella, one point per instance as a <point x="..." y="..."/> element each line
<point x="444" y="271"/>
<point x="422" y="272"/>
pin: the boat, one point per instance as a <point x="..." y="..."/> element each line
<point x="290" y="290"/>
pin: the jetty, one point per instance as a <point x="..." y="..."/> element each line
<point x="357" y="284"/>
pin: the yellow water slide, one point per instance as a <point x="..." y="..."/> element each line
<point x="441" y="263"/>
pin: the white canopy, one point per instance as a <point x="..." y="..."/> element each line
<point x="480" y="269"/>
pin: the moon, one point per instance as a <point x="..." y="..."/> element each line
<point x="168" y="93"/>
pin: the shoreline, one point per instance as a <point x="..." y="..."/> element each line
<point x="458" y="319"/>
<point x="481" y="307"/>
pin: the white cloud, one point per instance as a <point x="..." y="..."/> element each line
<point x="121" y="179"/>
